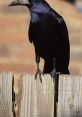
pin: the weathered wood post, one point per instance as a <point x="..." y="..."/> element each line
<point x="6" y="94"/>
<point x="36" y="98"/>
<point x="70" y="96"/>
<point x="47" y="99"/>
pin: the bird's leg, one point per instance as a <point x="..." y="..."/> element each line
<point x="38" y="71"/>
<point x="53" y="72"/>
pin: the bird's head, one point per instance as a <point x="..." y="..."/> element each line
<point x="20" y="2"/>
<point x="27" y="3"/>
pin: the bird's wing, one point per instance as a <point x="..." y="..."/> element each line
<point x="63" y="31"/>
<point x="62" y="26"/>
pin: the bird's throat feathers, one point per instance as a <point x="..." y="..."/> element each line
<point x="38" y="11"/>
<point x="33" y="1"/>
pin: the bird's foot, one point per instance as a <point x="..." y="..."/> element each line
<point x="39" y="73"/>
<point x="54" y="74"/>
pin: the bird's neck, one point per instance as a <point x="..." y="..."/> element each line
<point x="38" y="10"/>
<point x="35" y="1"/>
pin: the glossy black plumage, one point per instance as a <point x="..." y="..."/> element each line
<point x="49" y="34"/>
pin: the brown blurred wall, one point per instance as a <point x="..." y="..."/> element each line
<point x="17" y="54"/>
<point x="71" y="1"/>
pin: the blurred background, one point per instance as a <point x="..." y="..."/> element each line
<point x="17" y="53"/>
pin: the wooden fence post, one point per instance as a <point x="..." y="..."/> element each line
<point x="5" y="94"/>
<point x="37" y="99"/>
<point x="70" y="96"/>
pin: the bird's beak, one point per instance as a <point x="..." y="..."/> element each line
<point x="19" y="2"/>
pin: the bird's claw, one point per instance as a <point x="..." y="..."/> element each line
<point x="54" y="74"/>
<point x="39" y="73"/>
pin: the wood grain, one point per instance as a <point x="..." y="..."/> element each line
<point x="5" y="94"/>
<point x="37" y="98"/>
<point x="70" y="96"/>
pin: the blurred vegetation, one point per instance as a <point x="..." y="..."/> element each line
<point x="72" y="1"/>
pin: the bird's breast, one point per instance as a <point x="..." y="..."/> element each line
<point x="35" y="18"/>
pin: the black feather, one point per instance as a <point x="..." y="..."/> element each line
<point x="49" y="34"/>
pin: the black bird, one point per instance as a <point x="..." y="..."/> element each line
<point x="49" y="34"/>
